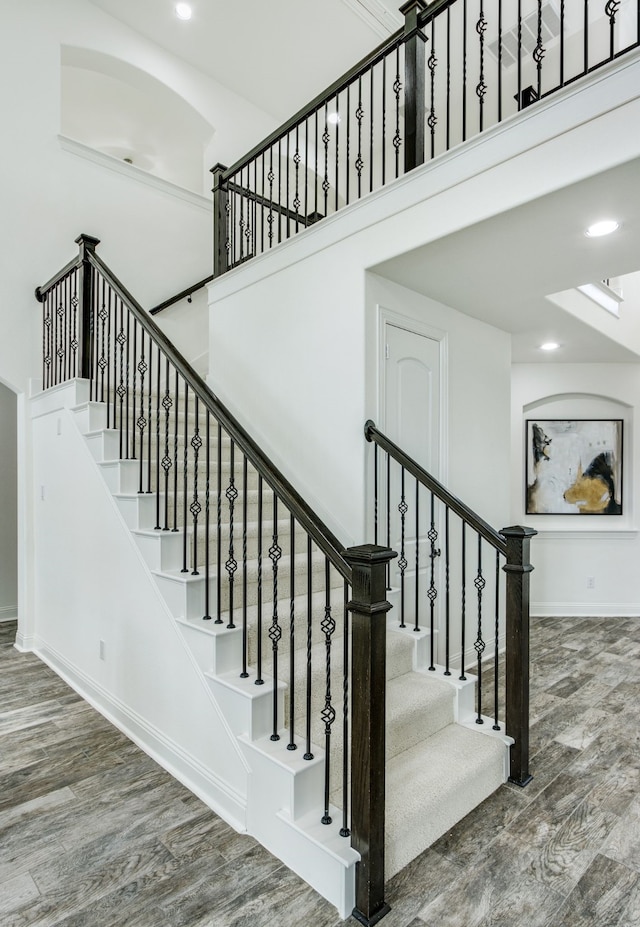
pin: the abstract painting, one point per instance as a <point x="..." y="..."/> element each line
<point x="574" y="466"/>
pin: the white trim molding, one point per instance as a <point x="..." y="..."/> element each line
<point x="583" y="610"/>
<point x="134" y="173"/>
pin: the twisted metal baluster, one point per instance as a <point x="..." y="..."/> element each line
<point x="245" y="630"/>
<point x="195" y="508"/>
<point x="479" y="582"/>
<point x="232" y="564"/>
<point x="308" y="754"/>
<point x="259" y="680"/>
<point x="275" y="631"/>
<point x="219" y="529"/>
<point x="402" y="563"/>
<point x="292" y="635"/>
<point x="496" y="648"/>
<point x="416" y="625"/>
<point x="167" y="403"/>
<point x="481" y="87"/>
<point x="463" y="603"/>
<point x="344" y="830"/>
<point x="207" y="523"/>
<point x="539" y="50"/>
<point x="328" y="713"/>
<point x="432" y="63"/>
<point x="432" y="592"/>
<point x="185" y="472"/>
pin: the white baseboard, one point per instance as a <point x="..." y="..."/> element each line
<point x="8" y="613"/>
<point x="583" y="610"/>
<point x="214" y="792"/>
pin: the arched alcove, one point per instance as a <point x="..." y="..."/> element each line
<point x="125" y="112"/>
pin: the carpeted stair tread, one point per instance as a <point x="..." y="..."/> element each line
<point x="433" y="785"/>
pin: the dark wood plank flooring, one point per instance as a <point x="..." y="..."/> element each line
<point x="94" y="834"/>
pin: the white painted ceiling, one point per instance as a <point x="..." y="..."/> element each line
<point x="279" y="54"/>
<point x="501" y="270"/>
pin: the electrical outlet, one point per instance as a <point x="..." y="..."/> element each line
<point x="591" y="582"/>
<point x="102" y="650"/>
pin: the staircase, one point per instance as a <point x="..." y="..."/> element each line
<point x="438" y="769"/>
<point x="257" y="589"/>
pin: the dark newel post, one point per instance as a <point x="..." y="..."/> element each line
<point x="87" y="245"/>
<point x="369" y="609"/>
<point x="220" y="259"/>
<point x="518" y="569"/>
<point x="414" y="80"/>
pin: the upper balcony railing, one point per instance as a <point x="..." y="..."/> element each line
<point x="457" y="68"/>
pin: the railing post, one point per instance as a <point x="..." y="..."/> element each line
<point x="369" y="608"/>
<point x="518" y="569"/>
<point x="414" y="83"/>
<point x="87" y="245"/>
<point x="220" y="257"/>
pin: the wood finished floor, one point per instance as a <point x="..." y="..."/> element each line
<point x="94" y="834"/>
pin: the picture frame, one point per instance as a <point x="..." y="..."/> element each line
<point x="573" y="466"/>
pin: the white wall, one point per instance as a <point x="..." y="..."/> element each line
<point x="147" y="681"/>
<point x="8" y="505"/>
<point x="571" y="548"/>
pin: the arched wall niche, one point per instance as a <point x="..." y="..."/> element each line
<point x="123" y="111"/>
<point x="584" y="405"/>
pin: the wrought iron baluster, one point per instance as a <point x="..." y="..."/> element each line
<point x="125" y="441"/>
<point x="375" y="494"/>
<point x="122" y="392"/>
<point x="519" y="54"/>
<point x="245" y="631"/>
<point x="447" y="602"/>
<point x="325" y="140"/>
<point x="241" y="223"/>
<point x="383" y="103"/>
<point x="259" y="679"/>
<point x="74" y="335"/>
<point x="402" y="563"/>
<point x="416" y="625"/>
<point x="328" y="713"/>
<point x="388" y="516"/>
<point x="348" y="146"/>
<point x="185" y="473"/>
<point x="397" y="87"/>
<point x="275" y="631"/>
<point x="207" y="523"/>
<point x="586" y="36"/>
<point x="496" y="649"/>
<point x="481" y="87"/>
<point x="308" y="754"/>
<point x="292" y="635"/>
<point x="134" y="389"/>
<point x="158" y="382"/>
<point x="167" y="403"/>
<point x="337" y="151"/>
<point x="432" y="63"/>
<point x="463" y="603"/>
<point x="371" y="130"/>
<point x="539" y="50"/>
<point x="287" y="186"/>
<point x="448" y="97"/>
<point x="611" y="10"/>
<point x="306" y="168"/>
<point x="562" y="42"/>
<point x="219" y="529"/>
<point x="479" y="582"/>
<point x="344" y="830"/>
<point x="150" y="416"/>
<point x="231" y="564"/>
<point x="109" y="314"/>
<point x="359" y="116"/>
<point x="270" y="177"/>
<point x="195" y="508"/>
<point x="279" y="190"/>
<point x="464" y="70"/>
<point x="46" y="330"/>
<point x="499" y="60"/>
<point x="296" y="200"/>
<point x="176" y="393"/>
<point x="432" y="592"/>
<point x="262" y="205"/>
<point x="142" y="422"/>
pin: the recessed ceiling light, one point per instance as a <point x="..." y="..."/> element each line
<point x="604" y="227"/>
<point x="333" y="119"/>
<point x="549" y="346"/>
<point x="183" y="11"/>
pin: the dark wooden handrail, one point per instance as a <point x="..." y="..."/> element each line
<point x="41" y="291"/>
<point x="456" y="505"/>
<point x="188" y="292"/>
<point x="323" y="537"/>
